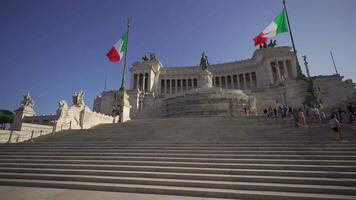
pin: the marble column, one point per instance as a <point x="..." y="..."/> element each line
<point x="138" y="81"/>
<point x="285" y="70"/>
<point x="278" y="73"/>
<point x="232" y="82"/>
<point x="176" y="86"/>
<point x="143" y="82"/>
<point x="165" y="87"/>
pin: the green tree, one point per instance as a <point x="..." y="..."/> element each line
<point x="6" y="117"/>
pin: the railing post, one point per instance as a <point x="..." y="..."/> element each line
<point x="32" y="135"/>
<point x="10" y="137"/>
<point x="70" y="125"/>
<point x="54" y="128"/>
<point x="17" y="139"/>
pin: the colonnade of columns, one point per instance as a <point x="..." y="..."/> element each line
<point x="174" y="86"/>
<point x="141" y="81"/>
<point x="281" y="71"/>
<point x="241" y="81"/>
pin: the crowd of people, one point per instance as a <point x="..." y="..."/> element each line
<point x="301" y="117"/>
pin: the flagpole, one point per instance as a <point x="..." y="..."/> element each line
<point x="299" y="70"/>
<point x="122" y="88"/>
<point x="332" y="58"/>
<point x="106" y="77"/>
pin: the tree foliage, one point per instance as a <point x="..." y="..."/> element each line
<point x="6" y="116"/>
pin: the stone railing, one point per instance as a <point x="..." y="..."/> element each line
<point x="81" y="118"/>
<point x="28" y="132"/>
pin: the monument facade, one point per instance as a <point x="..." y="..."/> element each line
<point x="269" y="77"/>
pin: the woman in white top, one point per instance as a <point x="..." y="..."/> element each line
<point x="335" y="126"/>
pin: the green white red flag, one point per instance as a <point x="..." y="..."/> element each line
<point x="117" y="51"/>
<point x="278" y="25"/>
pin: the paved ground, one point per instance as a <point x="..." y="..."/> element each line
<point x="36" y="193"/>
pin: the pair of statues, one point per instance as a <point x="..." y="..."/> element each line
<point x="152" y="56"/>
<point x="272" y="43"/>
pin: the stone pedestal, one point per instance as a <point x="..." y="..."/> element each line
<point x="205" y="79"/>
<point x="20" y="113"/>
<point x="125" y="106"/>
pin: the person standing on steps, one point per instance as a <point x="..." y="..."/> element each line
<point x="335" y="126"/>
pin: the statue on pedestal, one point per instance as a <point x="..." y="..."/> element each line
<point x="206" y="77"/>
<point x="78" y="98"/>
<point x="204" y="63"/>
<point x="27" y="102"/>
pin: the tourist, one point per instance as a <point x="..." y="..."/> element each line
<point x="284" y="113"/>
<point x="323" y="116"/>
<point x="245" y="109"/>
<point x="275" y="112"/>
<point x="301" y="117"/>
<point x="335" y="126"/>
<point x="265" y="112"/>
<point x="317" y="115"/>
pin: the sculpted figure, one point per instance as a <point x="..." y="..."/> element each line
<point x="78" y="98"/>
<point x="27" y="101"/>
<point x="204" y="63"/>
<point x="274" y="43"/>
<point x="62" y="108"/>
<point x="152" y="56"/>
<point x="264" y="45"/>
<point x="145" y="58"/>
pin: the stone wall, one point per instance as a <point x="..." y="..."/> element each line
<point x="80" y="117"/>
<point x="27" y="131"/>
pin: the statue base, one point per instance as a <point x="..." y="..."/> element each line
<point x="125" y="106"/>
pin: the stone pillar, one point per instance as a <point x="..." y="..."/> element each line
<point x="278" y="72"/>
<point x="245" y="85"/>
<point x="250" y="75"/>
<point x="149" y="82"/>
<point x="286" y="75"/>
<point x="143" y="82"/>
<point x="165" y="87"/>
<point x="125" y="106"/>
<point x="237" y="81"/>
<point x="232" y="82"/>
<point x="138" y="81"/>
<point x="176" y="86"/>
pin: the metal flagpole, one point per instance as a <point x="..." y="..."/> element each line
<point x="106" y="77"/>
<point x="299" y="70"/>
<point x="332" y="57"/>
<point x="125" y="59"/>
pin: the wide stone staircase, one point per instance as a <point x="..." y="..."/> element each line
<point x="234" y="158"/>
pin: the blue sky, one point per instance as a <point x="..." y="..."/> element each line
<point x="53" y="48"/>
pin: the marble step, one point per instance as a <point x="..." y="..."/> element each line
<point x="178" y="149"/>
<point x="148" y="151"/>
<point x="174" y="190"/>
<point x="194" y="146"/>
<point x="189" y="155"/>
<point x="190" y="176"/>
<point x="187" y="159"/>
<point x="302" y="188"/>
<point x="277" y="166"/>
<point x="264" y="172"/>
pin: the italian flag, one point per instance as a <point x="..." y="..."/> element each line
<point x="277" y="26"/>
<point x="117" y="51"/>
